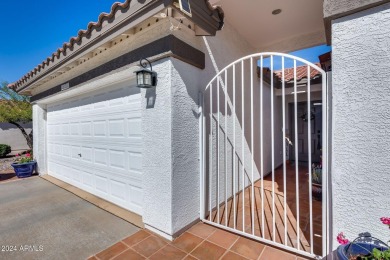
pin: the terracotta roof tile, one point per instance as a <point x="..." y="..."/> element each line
<point x="301" y="73"/>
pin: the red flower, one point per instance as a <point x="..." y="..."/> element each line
<point x="28" y="155"/>
<point x="385" y="221"/>
<point x="17" y="155"/>
<point x="342" y="239"/>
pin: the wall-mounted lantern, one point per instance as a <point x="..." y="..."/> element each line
<point x="146" y="78"/>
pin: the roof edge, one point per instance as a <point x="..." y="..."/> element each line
<point x="208" y="16"/>
<point x="69" y="45"/>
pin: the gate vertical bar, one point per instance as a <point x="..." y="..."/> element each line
<point x="296" y="151"/>
<point x="211" y="151"/>
<point x="325" y="205"/>
<point x="253" y="151"/>
<point x="234" y="146"/>
<point x="201" y="153"/>
<point x="284" y="153"/>
<point x="309" y="158"/>
<point x="204" y="156"/>
<point x="226" y="139"/>
<point x="273" y="150"/>
<point x="218" y="149"/>
<point x="243" y="145"/>
<point x="261" y="145"/>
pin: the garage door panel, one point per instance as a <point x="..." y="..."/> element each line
<point x="88" y="180"/>
<point x="94" y="143"/>
<point x="116" y="128"/>
<point x="99" y="128"/>
<point x="136" y="196"/>
<point x="117" y="159"/>
<point x="135" y="162"/>
<point x="118" y="190"/>
<point x="129" y="170"/>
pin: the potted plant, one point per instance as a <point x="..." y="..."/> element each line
<point x="24" y="166"/>
<point x="363" y="247"/>
<point x="316" y="181"/>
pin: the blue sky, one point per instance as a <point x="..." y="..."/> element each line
<point x="310" y="54"/>
<point x="41" y="27"/>
<point x="32" y="30"/>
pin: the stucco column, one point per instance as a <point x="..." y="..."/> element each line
<point x="170" y="148"/>
<point x="39" y="137"/>
<point x="156" y="151"/>
<point x="361" y="123"/>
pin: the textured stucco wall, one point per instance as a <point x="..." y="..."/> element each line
<point x="39" y="137"/>
<point x="341" y="7"/>
<point x="185" y="147"/>
<point x="157" y="150"/>
<point x="361" y="122"/>
<point x="11" y="135"/>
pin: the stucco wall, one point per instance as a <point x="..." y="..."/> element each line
<point x="39" y="137"/>
<point x="11" y="135"/>
<point x="341" y="7"/>
<point x="157" y="150"/>
<point x="361" y="123"/>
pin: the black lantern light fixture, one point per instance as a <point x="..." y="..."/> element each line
<point x="146" y="78"/>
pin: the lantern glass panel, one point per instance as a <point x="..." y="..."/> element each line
<point x="147" y="78"/>
<point x="140" y="78"/>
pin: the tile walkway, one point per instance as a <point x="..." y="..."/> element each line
<point x="200" y="242"/>
<point x="226" y="218"/>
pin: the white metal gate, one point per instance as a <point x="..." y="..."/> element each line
<point x="246" y="130"/>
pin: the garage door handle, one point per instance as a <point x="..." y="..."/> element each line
<point x="80" y="154"/>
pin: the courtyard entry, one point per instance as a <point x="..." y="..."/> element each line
<point x="263" y="136"/>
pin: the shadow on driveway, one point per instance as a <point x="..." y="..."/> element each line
<point x="39" y="220"/>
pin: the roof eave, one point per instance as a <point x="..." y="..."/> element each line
<point x="209" y="19"/>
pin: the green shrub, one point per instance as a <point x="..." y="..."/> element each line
<point x="4" y="150"/>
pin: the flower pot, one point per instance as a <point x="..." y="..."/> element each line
<point x="316" y="191"/>
<point x="350" y="251"/>
<point x="23" y="170"/>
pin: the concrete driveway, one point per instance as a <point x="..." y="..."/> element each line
<point x="39" y="220"/>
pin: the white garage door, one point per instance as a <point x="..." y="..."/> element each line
<point x="94" y="143"/>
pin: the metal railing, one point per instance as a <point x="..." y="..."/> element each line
<point x="240" y="113"/>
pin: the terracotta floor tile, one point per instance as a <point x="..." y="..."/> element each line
<point x="223" y="238"/>
<point x="248" y="248"/>
<point x="208" y="251"/>
<point x="112" y="251"/>
<point x="136" y="238"/>
<point x="202" y="230"/>
<point x="93" y="258"/>
<point x="190" y="257"/>
<point x="149" y="246"/>
<point x="169" y="253"/>
<point x="129" y="254"/>
<point x="266" y="197"/>
<point x="232" y="256"/>
<point x="273" y="253"/>
<point x="187" y="242"/>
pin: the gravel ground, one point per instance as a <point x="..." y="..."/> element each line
<point x="5" y="163"/>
